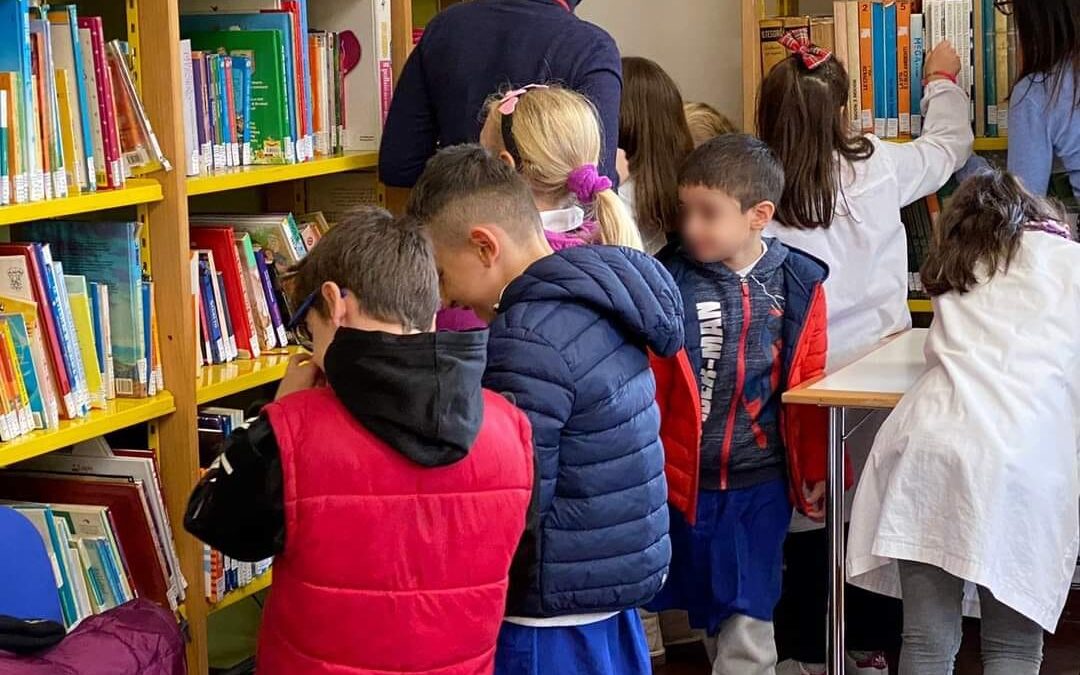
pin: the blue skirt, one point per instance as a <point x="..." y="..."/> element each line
<point x="615" y="646"/>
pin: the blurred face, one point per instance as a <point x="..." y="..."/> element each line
<point x="714" y="226"/>
<point x="470" y="274"/>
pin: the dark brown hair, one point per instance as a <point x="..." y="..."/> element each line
<point x="462" y="186"/>
<point x="388" y="264"/>
<point x="980" y="231"/>
<point x="739" y="165"/>
<point x="800" y="114"/>
<point x="1048" y="33"/>
<point x="654" y="134"/>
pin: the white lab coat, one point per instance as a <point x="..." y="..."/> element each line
<point x="866" y="245"/>
<point x="976" y="470"/>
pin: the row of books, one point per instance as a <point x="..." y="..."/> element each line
<point x="883" y="44"/>
<point x="222" y="574"/>
<point x="102" y="517"/>
<point x="71" y="119"/>
<point x="236" y="268"/>
<point x="77" y="323"/>
<point x="282" y="81"/>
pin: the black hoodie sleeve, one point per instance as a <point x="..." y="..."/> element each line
<point x="239" y="505"/>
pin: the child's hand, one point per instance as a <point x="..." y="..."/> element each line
<point x="943" y="59"/>
<point x="301" y="374"/>
<point x="814" y="493"/>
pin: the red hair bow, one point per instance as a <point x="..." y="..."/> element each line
<point x="798" y="42"/>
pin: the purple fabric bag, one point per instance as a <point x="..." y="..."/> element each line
<point x="138" y="638"/>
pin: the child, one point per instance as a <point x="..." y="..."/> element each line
<point x="393" y="498"/>
<point x="552" y="137"/>
<point x="972" y="482"/>
<point x="841" y="203"/>
<point x="706" y="122"/>
<point x="1043" y="122"/>
<point x="755" y="325"/>
<point x="569" y="333"/>
<point x="655" y="139"/>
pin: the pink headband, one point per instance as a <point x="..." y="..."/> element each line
<point x="508" y="103"/>
<point x="586" y="182"/>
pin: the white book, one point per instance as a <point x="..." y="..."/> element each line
<point x="63" y="53"/>
<point x="90" y="81"/>
<point x="191" y="133"/>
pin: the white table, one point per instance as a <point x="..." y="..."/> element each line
<point x="876" y="381"/>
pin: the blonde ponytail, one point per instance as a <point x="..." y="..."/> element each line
<point x="617" y="228"/>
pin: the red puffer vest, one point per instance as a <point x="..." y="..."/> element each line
<point x="390" y="566"/>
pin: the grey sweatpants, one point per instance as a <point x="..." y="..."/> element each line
<point x="1012" y="644"/>
<point x="745" y="646"/>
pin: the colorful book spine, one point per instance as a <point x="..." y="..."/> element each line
<point x="989" y="63"/>
<point x="226" y="313"/>
<point x="918" y="55"/>
<point x="71" y="24"/>
<point x="217" y="351"/>
<point x="891" y="53"/>
<point x="202" y="112"/>
<point x="1001" y="71"/>
<point x="115" y="171"/>
<point x="903" y="66"/>
<point x="58" y="298"/>
<point x="271" y="298"/>
<point x="867" y="65"/>
<point x="228" y="119"/>
<point x="880" y="63"/>
<point x="191" y="133"/>
<point x="5" y="167"/>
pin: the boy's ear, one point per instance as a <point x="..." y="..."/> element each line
<point x="334" y="303"/>
<point x="507" y="159"/>
<point x="486" y="244"/>
<point x="761" y="213"/>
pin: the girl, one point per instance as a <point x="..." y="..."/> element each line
<point x="972" y="481"/>
<point x="552" y="137"/>
<point x="655" y="139"/>
<point x="706" y="122"/>
<point x="841" y="203"/>
<point x="1043" y="121"/>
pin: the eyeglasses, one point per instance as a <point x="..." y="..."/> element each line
<point x="1004" y="6"/>
<point x="298" y="324"/>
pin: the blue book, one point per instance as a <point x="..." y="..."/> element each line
<point x="881" y="97"/>
<point x="918" y="54"/>
<point x="892" y="109"/>
<point x="66" y="17"/>
<point x="56" y="184"/>
<point x="989" y="67"/>
<point x="148" y="336"/>
<point x="15" y="57"/>
<point x="69" y="349"/>
<point x="71" y="336"/>
<point x="97" y="317"/>
<point x="229" y="332"/>
<point x="217" y="344"/>
<point x="271" y="298"/>
<point x="107" y="253"/>
<point x="191" y="24"/>
<point x="241" y="71"/>
<point x="223" y="122"/>
<point x="19" y="335"/>
<point x="110" y="568"/>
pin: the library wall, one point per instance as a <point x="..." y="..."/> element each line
<point x="696" y="41"/>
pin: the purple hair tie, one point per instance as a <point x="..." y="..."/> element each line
<point x="585" y="182"/>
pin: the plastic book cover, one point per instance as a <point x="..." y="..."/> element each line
<point x="216" y="343"/>
<point x="148" y="338"/>
<point x="989" y="66"/>
<point x="41" y="122"/>
<point x="65" y="19"/>
<point x="97" y="143"/>
<point x="28" y="371"/>
<point x="15" y="57"/>
<point x="41" y="33"/>
<point x="67" y="322"/>
<point x="297" y="11"/>
<point x="79" y="298"/>
<point x="16" y="157"/>
<point x="99" y="312"/>
<point x="29" y="418"/>
<point x="115" y="170"/>
<point x="213" y="97"/>
<point x="892" y="118"/>
<point x="142" y="152"/>
<point x="15" y="386"/>
<point x="46" y="387"/>
<point x="203" y="127"/>
<point x="107" y="253"/>
<point x="191" y="133"/>
<point x="241" y="70"/>
<point x="880" y="64"/>
<point x="260" y="309"/>
<point x="918" y="55"/>
<point x="271" y="297"/>
<point x="53" y="303"/>
<point x="224" y="319"/>
<point x="271" y="232"/>
<point x="69" y="133"/>
<point x="10" y="419"/>
<point x="270" y="130"/>
<point x="279" y="24"/>
<point x="230" y="328"/>
<point x="221" y="241"/>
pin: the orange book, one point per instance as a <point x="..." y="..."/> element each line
<point x="866" y="67"/>
<point x="316" y="93"/>
<point x="903" y="64"/>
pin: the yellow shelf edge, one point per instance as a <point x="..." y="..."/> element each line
<point x="120" y="414"/>
<point x="137" y="191"/>
<point x="260" y="583"/>
<point x="252" y="176"/>
<point x="920" y="306"/>
<point x="218" y="381"/>
<point x="982" y="143"/>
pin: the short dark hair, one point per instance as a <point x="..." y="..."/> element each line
<point x="464" y="185"/>
<point x="388" y="264"/>
<point x="739" y="165"/>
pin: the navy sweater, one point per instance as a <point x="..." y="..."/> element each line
<point x="473" y="50"/>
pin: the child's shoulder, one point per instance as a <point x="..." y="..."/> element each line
<point x="803" y="266"/>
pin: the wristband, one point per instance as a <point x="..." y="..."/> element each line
<point x="939" y="73"/>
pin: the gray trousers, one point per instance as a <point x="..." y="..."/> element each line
<point x="745" y="646"/>
<point x="1012" y="644"/>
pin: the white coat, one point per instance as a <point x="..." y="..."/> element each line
<point x="866" y="246"/>
<point x="976" y="470"/>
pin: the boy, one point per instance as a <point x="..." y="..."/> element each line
<point x="755" y="326"/>
<point x="568" y="342"/>
<point x="393" y="498"/>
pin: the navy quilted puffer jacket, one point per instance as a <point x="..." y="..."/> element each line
<point x="569" y="344"/>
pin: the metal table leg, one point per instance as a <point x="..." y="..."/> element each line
<point x="834" y="528"/>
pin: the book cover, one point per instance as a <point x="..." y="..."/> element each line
<point x="55" y="285"/>
<point x="79" y="297"/>
<point x="204" y="129"/>
<point x="28" y="370"/>
<point x="28" y="310"/>
<point x="228" y="108"/>
<point x="271" y="297"/>
<point x="107" y="253"/>
<point x="40" y="26"/>
<point x="903" y="66"/>
<point x="16" y="181"/>
<point x="191" y="133"/>
<point x="978" y="82"/>
<point x="115" y="170"/>
<point x="260" y="307"/>
<point x="148" y="339"/>
<point x="213" y="72"/>
<point x="987" y="70"/>
<point x="918" y="56"/>
<point x="221" y="242"/>
<point x="26" y="417"/>
<point x="271" y="137"/>
<point x="1001" y="70"/>
<point x="320" y="111"/>
<point x="275" y="232"/>
<point x="21" y="280"/>
<point x="99" y="313"/>
<point x="226" y="312"/>
<point x="12" y="420"/>
<point x="842" y="55"/>
<point x="892" y="119"/>
<point x="65" y="20"/>
<point x="241" y="68"/>
<point x="15" y="58"/>
<point x="822" y="32"/>
<point x="142" y="152"/>
<point x="880" y="65"/>
<point x="65" y="95"/>
<point x="96" y="107"/>
<point x="217" y="352"/>
<point x="47" y="158"/>
<point x="224" y="319"/>
<point x="867" y="54"/>
<point x="301" y="80"/>
<point x="772" y="52"/>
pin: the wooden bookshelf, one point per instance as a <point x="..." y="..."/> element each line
<point x="259" y="585"/>
<point x="218" y="381"/>
<point x="138" y="191"/>
<point x="254" y="176"/>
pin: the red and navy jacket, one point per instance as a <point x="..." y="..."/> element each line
<point x="748" y="340"/>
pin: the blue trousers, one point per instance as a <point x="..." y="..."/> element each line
<point x="615" y="646"/>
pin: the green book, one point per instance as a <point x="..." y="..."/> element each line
<point x="269" y="86"/>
